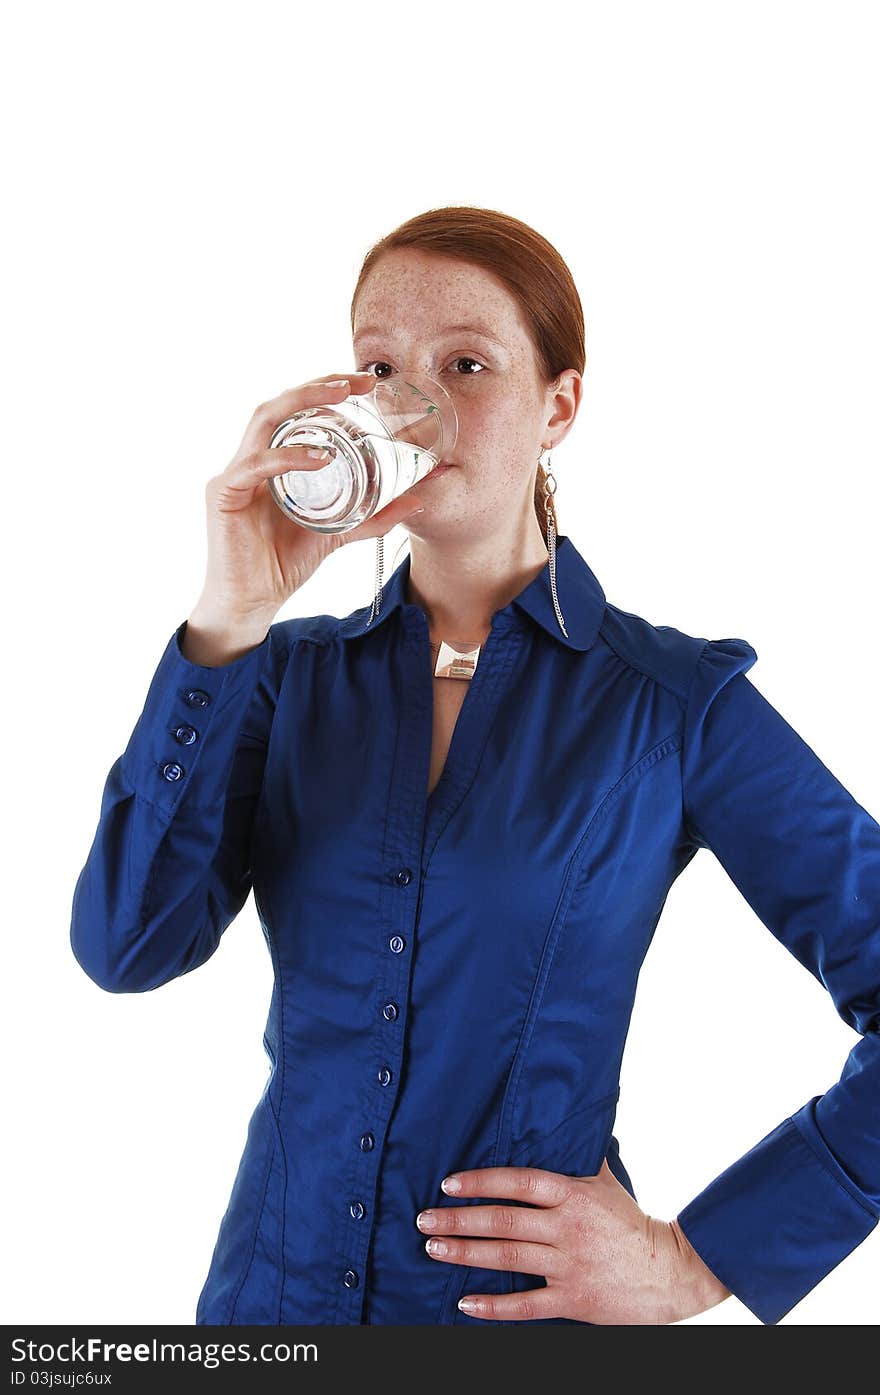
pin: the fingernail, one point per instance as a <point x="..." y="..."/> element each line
<point x="338" y="382"/>
<point x="425" y="1220"/>
<point x="467" y="1305"/>
<point x="317" y="452"/>
<point x="451" y="1184"/>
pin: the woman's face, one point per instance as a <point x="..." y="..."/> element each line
<point x="403" y="320"/>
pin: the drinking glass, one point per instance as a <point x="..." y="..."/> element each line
<point x="382" y="443"/>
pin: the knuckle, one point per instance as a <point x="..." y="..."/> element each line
<point x="533" y="1181"/>
<point x="574" y="1262"/>
<point x="579" y="1231"/>
<point x="507" y="1218"/>
<point x="524" y="1307"/>
<point x="581" y="1209"/>
<point x="510" y="1254"/>
<point x="588" y="1297"/>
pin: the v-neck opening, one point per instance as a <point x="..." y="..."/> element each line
<point x="465" y="745"/>
<point x="443" y="778"/>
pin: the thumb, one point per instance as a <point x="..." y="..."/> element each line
<point x="405" y="506"/>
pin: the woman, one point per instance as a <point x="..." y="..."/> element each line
<point x="459" y="867"/>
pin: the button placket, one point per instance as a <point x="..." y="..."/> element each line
<point x="398" y="898"/>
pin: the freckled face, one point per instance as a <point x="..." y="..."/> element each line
<point x="402" y="317"/>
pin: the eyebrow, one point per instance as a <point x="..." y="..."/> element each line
<point x="375" y="330"/>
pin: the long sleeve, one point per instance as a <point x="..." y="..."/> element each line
<point x="806" y="856"/>
<point x="169" y="866"/>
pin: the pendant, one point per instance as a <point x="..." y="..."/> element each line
<point x="456" y="663"/>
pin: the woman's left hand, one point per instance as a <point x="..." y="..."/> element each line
<point x="604" y="1260"/>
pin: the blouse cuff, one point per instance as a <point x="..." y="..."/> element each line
<point x="780" y="1218"/>
<point x="186" y="703"/>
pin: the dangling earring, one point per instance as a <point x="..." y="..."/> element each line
<point x="380" y="567"/>
<point x="550" y="514"/>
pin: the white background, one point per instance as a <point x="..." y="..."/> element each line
<point x="190" y="190"/>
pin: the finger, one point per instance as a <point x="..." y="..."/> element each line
<point x="533" y="1184"/>
<point x="531" y="1303"/>
<point x="407" y="505"/>
<point x="332" y="388"/>
<point x="351" y="375"/>
<point x="357" y="382"/>
<point x="519" y="1255"/>
<point x="514" y="1222"/>
<point x="246" y="471"/>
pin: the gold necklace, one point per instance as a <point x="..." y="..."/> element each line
<point x="453" y="662"/>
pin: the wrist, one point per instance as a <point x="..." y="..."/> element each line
<point x="701" y="1288"/>
<point x="212" y="640"/>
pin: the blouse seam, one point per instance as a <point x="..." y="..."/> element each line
<point x="838" y="1180"/>
<point x="649" y="759"/>
<point x="690" y="824"/>
<point x="645" y="672"/>
<point x="279" y="978"/>
<point x="147" y="902"/>
<point x="594" y="1106"/>
<point x="167" y="815"/>
<point x="249" y="1260"/>
<point x="306" y="639"/>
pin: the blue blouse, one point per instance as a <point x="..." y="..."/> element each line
<point x="454" y="975"/>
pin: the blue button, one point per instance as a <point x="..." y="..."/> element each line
<point x="196" y="697"/>
<point x="396" y="944"/>
<point x="350" y="1279"/>
<point x="357" y="1209"/>
<point x="384" y="1076"/>
<point x="389" y="1012"/>
<point x="403" y="877"/>
<point x="186" y="735"/>
<point x="367" y="1141"/>
<point x="172" y="771"/>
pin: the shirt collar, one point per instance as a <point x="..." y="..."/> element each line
<point x="581" y="600"/>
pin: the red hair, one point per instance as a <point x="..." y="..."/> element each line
<point x="527" y="264"/>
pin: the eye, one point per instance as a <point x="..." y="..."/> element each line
<point x="462" y="358"/>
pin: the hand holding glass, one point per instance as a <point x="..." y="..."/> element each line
<point x="382" y="443"/>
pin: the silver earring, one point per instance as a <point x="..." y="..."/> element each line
<point x="550" y="513"/>
<point x="380" y="567"/>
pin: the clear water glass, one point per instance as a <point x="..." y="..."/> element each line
<point x="382" y="442"/>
